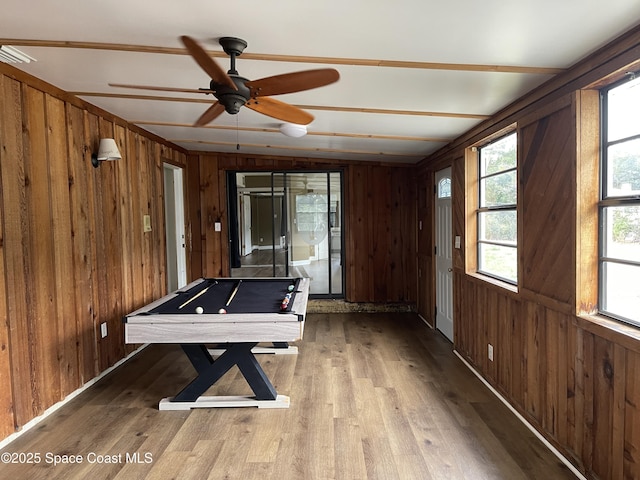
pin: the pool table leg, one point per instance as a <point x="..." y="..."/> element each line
<point x="210" y="371"/>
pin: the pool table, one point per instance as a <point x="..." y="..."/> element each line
<point x="235" y="314"/>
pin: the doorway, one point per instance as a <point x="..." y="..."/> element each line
<point x="443" y="253"/>
<point x="288" y="224"/>
<point x="174" y="227"/>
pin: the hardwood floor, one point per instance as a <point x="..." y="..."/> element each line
<point x="373" y="396"/>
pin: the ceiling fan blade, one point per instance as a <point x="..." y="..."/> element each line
<point x="292" y="82"/>
<point x="208" y="64"/>
<point x="161" y="89"/>
<point x="210" y="114"/>
<point x="280" y="110"/>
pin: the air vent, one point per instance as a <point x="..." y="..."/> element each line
<point x="13" y="55"/>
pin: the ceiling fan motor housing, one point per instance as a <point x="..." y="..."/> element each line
<point x="231" y="99"/>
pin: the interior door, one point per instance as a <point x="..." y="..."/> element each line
<point x="443" y="254"/>
<point x="175" y="227"/>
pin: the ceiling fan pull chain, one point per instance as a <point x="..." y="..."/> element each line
<point x="237" y="133"/>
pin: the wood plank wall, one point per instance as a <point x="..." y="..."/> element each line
<point x="380" y="220"/>
<point x="575" y="376"/>
<point x="72" y="249"/>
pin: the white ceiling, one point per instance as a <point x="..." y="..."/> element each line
<point x="394" y="113"/>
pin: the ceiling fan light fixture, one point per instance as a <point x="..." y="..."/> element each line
<point x="293" y="130"/>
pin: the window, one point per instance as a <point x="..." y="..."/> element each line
<point x="620" y="202"/>
<point x="497" y="214"/>
<point x="444" y="188"/>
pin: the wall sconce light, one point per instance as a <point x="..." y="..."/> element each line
<point x="108" y="150"/>
<point x="293" y="130"/>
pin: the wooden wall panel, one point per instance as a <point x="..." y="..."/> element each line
<point x="62" y="241"/>
<point x="194" y="224"/>
<point x="127" y="219"/>
<point x="144" y="177"/>
<point x="135" y="151"/>
<point x="547" y="179"/>
<point x="113" y="347"/>
<point x="209" y="208"/>
<point x="42" y="320"/>
<point x="458" y="198"/>
<point x="81" y="190"/>
<point x="159" y="247"/>
<point x="359" y="259"/>
<point x="15" y="234"/>
<point x="403" y="216"/>
<point x="631" y="436"/>
<point x="379" y="241"/>
<point x="6" y="393"/>
<point x="72" y="251"/>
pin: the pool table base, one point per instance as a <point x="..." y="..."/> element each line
<point x="278" y="348"/>
<point x="210" y="371"/>
<point x="281" y="401"/>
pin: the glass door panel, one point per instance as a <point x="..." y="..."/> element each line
<point x="303" y="237"/>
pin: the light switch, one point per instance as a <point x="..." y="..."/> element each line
<point x="217" y="226"/>
<point x="146" y="220"/>
<point x="457" y="241"/>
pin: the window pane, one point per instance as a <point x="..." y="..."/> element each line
<point x="311" y="217"/>
<point x="621" y="290"/>
<point x="622" y="233"/>
<point x="498" y="190"/>
<point x="498" y="226"/>
<point x="623" y="108"/>
<point x="623" y="169"/>
<point x="444" y="188"/>
<point x="499" y="261"/>
<point x="498" y="156"/>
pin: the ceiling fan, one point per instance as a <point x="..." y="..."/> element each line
<point x="233" y="91"/>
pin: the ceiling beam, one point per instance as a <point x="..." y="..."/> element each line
<point x="361" y="62"/>
<point x="322" y="134"/>
<point x="288" y="147"/>
<point x="304" y="107"/>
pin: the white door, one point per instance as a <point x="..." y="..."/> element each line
<point x="174" y="228"/>
<point x="444" y="266"/>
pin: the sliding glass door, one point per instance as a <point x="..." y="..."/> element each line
<point x="292" y="223"/>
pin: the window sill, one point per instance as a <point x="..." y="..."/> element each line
<point x="613" y="330"/>
<point x="494" y="281"/>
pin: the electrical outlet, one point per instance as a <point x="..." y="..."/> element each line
<point x="103" y="329"/>
<point x="490" y="352"/>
